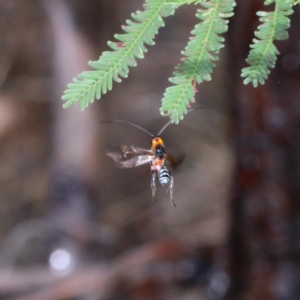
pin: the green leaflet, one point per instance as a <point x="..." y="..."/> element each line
<point x="263" y="55"/>
<point x="198" y="57"/>
<point x="114" y="65"/>
<point x="177" y="3"/>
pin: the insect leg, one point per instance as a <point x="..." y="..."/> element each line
<point x="153" y="184"/>
<point x="171" y="187"/>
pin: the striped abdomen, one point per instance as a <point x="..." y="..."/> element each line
<point x="163" y="176"/>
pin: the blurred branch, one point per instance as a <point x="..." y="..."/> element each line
<point x="97" y="280"/>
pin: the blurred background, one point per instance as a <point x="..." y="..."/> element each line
<point x="75" y="227"/>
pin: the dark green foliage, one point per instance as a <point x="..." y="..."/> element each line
<point x="199" y="56"/>
<point x="264" y="53"/>
<point x="112" y="65"/>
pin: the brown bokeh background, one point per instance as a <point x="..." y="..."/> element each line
<point x="73" y="226"/>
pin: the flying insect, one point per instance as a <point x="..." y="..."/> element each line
<point x="126" y="156"/>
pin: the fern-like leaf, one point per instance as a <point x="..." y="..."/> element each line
<point x="263" y="55"/>
<point x="177" y="3"/>
<point x="199" y="55"/>
<point x="114" y="65"/>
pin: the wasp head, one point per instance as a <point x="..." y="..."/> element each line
<point x="158" y="147"/>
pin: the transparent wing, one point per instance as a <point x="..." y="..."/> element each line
<point x="126" y="156"/>
<point x="174" y="160"/>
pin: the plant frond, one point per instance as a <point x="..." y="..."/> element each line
<point x="177" y="3"/>
<point x="264" y="53"/>
<point x="114" y="65"/>
<point x="198" y="57"/>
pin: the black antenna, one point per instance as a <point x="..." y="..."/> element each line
<point x="143" y="129"/>
<point x="170" y="122"/>
<point x="132" y="124"/>
<point x="164" y="127"/>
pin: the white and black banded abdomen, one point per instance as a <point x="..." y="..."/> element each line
<point x="163" y="176"/>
